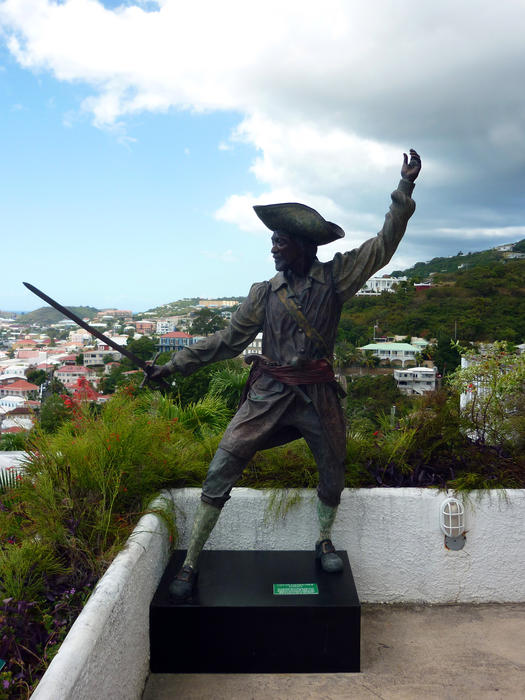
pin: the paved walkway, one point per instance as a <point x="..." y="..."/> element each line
<point x="452" y="652"/>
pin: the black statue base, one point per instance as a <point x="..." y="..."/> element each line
<point x="239" y="622"/>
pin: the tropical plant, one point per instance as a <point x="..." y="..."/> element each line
<point x="491" y="385"/>
<point x="228" y="383"/>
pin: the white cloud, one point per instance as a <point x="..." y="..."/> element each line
<point x="510" y="234"/>
<point x="329" y="94"/>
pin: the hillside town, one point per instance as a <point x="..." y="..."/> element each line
<point x="32" y="358"/>
<point x="39" y="358"/>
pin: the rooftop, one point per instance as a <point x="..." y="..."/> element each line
<point x="176" y="334"/>
<point x="388" y="346"/>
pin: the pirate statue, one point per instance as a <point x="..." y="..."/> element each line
<point x="291" y="391"/>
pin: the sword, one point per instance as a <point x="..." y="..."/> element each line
<point x="144" y="366"/>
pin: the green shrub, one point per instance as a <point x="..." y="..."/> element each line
<point x="25" y="567"/>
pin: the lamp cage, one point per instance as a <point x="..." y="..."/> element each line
<point x="452" y="517"/>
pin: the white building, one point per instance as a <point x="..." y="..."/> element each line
<point x="15" y="370"/>
<point x="80" y="337"/>
<point x="8" y="403"/>
<point x="375" y="285"/>
<point x="396" y="353"/>
<point x="416" y="380"/>
<point x="255" y="347"/>
<point x="70" y="374"/>
<point x="166" y="325"/>
<point x="97" y="357"/>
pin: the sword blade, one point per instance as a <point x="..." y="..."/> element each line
<point x="63" y="310"/>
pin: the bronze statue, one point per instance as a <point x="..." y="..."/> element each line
<point x="291" y="391"/>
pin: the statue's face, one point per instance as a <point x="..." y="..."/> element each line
<point x="285" y="250"/>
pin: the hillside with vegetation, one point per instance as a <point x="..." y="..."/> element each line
<point x="481" y="303"/>
<point x="179" y="307"/>
<point x="46" y="315"/>
<point x="482" y="258"/>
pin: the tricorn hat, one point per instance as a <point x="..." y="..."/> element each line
<point x="299" y="220"/>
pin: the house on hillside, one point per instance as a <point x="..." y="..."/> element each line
<point x="176" y="340"/>
<point x="146" y="327"/>
<point x="255" y="347"/>
<point x="70" y="374"/>
<point x="101" y="353"/>
<point x="17" y="387"/>
<point x="396" y="353"/>
<point x="17" y="419"/>
<point x="416" y="380"/>
<point x="376" y="285"/>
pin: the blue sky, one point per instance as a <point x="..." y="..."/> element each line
<point x="136" y="137"/>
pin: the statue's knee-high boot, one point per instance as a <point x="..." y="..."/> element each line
<point x="324" y="549"/>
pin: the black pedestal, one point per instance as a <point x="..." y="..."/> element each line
<point x="236" y="623"/>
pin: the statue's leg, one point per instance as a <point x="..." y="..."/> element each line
<point x="205" y="518"/>
<point x="328" y="446"/>
<point x="331" y="562"/>
<point x="224" y="470"/>
<point x="326" y="515"/>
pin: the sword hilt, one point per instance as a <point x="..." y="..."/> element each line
<point x="163" y="383"/>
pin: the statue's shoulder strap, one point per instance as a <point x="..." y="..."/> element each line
<point x="301" y="320"/>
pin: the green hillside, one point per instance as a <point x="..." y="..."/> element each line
<point x="46" y="315"/>
<point x="455" y="262"/>
<point x="482" y="303"/>
<point x="181" y="306"/>
<point x="173" y="308"/>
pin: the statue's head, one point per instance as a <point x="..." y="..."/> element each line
<point x="297" y="231"/>
<point x="292" y="252"/>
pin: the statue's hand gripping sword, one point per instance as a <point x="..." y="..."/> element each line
<point x="144" y="366"/>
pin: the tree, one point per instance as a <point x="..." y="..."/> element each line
<point x="444" y="354"/>
<point x="53" y="413"/>
<point x="207" y="321"/>
<point x="36" y="376"/>
<point x="144" y="348"/>
<point x="79" y="359"/>
<point x="491" y="385"/>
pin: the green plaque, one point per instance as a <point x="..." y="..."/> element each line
<point x="295" y="589"/>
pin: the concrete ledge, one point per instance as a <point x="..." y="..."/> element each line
<point x="393" y="540"/>
<point x="392" y="537"/>
<point x="106" y="653"/>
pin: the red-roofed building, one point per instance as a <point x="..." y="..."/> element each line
<point x="28" y="354"/>
<point x="147" y="327"/>
<point x="69" y="374"/>
<point x="69" y="359"/>
<point x="176" y="340"/>
<point x="17" y="387"/>
<point x="25" y="342"/>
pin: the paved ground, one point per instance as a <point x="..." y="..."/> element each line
<point x="453" y="652"/>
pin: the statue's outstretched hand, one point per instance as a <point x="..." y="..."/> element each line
<point x="156" y="372"/>
<point x="409" y="171"/>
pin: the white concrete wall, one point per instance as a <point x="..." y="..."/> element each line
<point x="392" y="537"/>
<point x="106" y="653"/>
<point x="393" y="540"/>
